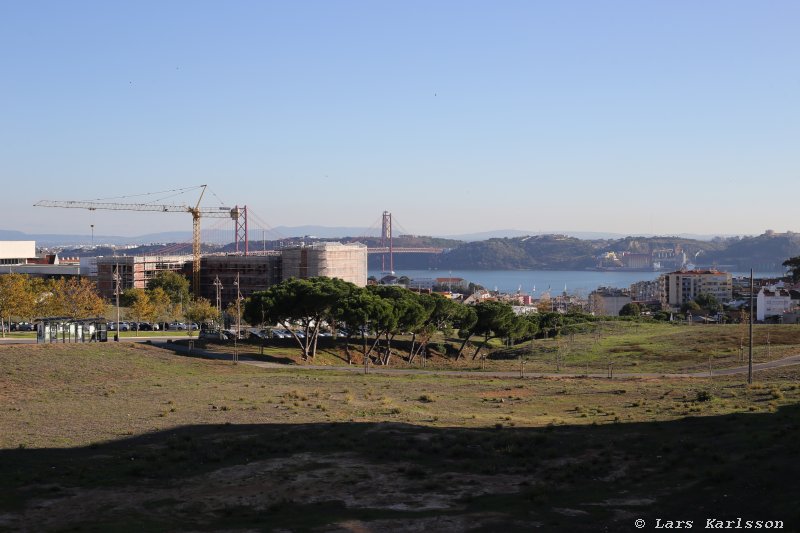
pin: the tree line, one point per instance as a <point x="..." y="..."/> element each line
<point x="376" y="314"/>
<point x="167" y="297"/>
<point x="24" y="298"/>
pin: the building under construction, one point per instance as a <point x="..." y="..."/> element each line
<point x="136" y="271"/>
<point x="255" y="272"/>
<point x="347" y="262"/>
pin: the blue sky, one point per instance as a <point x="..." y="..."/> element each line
<point x="629" y="117"/>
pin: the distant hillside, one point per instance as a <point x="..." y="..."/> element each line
<point x="764" y="252"/>
<point x="540" y="252"/>
<point x="561" y="252"/>
<point x="557" y="252"/>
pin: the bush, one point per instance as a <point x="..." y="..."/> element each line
<point x="438" y="347"/>
<point x="630" y="309"/>
<point x="703" y="396"/>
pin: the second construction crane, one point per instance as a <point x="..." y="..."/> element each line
<point x="237" y="214"/>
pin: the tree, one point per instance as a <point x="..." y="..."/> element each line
<point x="162" y="306"/>
<point x="708" y="302"/>
<point x="307" y="302"/>
<point x="551" y="323"/>
<point x="630" y="309"/>
<point x="690" y="307"/>
<point x="199" y="311"/>
<point x="236" y="313"/>
<point x="465" y="323"/>
<point x="140" y="308"/>
<point x="75" y="298"/>
<point x="534" y="323"/>
<point x="355" y="310"/>
<point x="496" y="319"/>
<point x="793" y="266"/>
<point x="129" y="296"/>
<point x="405" y="314"/>
<point x="17" y="298"/>
<point x="443" y="314"/>
<point x="174" y="284"/>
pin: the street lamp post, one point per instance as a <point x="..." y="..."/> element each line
<point x="116" y="293"/>
<point x="218" y="287"/>
<point x="238" y="320"/>
<point x="92" y="226"/>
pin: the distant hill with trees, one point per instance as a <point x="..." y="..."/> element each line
<point x="764" y="252"/>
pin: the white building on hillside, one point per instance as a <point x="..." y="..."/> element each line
<point x="772" y="301"/>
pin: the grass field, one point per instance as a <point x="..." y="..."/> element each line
<point x="632" y="347"/>
<point x="133" y="438"/>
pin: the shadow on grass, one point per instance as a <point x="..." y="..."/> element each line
<point x="390" y="476"/>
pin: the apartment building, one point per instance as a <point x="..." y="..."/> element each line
<point x="684" y="286"/>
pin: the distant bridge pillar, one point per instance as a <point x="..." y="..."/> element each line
<point x="386" y="242"/>
<point x="239" y="216"/>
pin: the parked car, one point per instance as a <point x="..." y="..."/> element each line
<point x="254" y="333"/>
<point x="177" y="326"/>
<point x="281" y="334"/>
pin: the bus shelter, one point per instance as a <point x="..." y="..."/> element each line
<point x="65" y="329"/>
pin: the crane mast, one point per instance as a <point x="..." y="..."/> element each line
<point x="197" y="213"/>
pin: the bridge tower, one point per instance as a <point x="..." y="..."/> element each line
<point x="239" y="214"/>
<point x="386" y="242"/>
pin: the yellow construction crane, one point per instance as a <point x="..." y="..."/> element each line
<point x="197" y="213"/>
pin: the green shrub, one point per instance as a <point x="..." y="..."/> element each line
<point x="703" y="396"/>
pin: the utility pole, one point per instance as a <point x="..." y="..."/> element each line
<point x="116" y="292"/>
<point x="238" y="320"/>
<point x="750" y="354"/>
<point x="218" y="287"/>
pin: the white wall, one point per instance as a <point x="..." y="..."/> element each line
<point x="17" y="249"/>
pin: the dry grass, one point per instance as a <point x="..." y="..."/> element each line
<point x="630" y="346"/>
<point x="103" y="392"/>
<point x="132" y="438"/>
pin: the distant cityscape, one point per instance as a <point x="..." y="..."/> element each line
<point x="240" y="275"/>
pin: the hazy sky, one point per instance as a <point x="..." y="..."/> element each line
<point x="457" y="116"/>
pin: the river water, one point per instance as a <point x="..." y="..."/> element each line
<point x="577" y="282"/>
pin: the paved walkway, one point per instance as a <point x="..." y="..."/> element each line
<point x="196" y="352"/>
